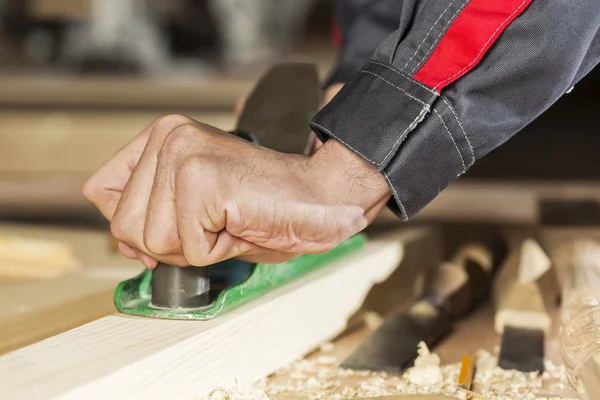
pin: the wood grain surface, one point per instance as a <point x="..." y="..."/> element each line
<point x="36" y="309"/>
<point x="120" y="356"/>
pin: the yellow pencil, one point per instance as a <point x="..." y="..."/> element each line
<point x="467" y="370"/>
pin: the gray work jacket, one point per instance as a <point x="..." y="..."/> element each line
<point x="434" y="85"/>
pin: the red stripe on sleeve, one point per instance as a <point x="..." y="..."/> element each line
<point x="336" y="34"/>
<point x="469" y="37"/>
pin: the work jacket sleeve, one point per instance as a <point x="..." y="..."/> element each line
<point x="457" y="79"/>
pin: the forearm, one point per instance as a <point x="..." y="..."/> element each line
<point x="456" y="80"/>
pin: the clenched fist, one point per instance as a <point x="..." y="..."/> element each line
<point x="187" y="193"/>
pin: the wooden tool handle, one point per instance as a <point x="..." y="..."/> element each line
<point x="478" y="254"/>
<point x="517" y="295"/>
<point x="443" y="281"/>
<point x="479" y="262"/>
<point x="438" y="286"/>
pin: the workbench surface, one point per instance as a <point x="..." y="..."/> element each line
<point x="318" y="373"/>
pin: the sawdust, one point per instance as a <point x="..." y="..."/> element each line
<point x="320" y="377"/>
<point x="237" y="393"/>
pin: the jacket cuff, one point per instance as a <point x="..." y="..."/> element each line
<point x="403" y="128"/>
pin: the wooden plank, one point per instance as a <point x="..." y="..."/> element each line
<point x="74" y="142"/>
<point x="126" y="357"/>
<point x="43" y="194"/>
<point x="502" y="202"/>
<point x="35" y="258"/>
<point x="46" y="156"/>
<point x="37" y="309"/>
<point x="59" y="9"/>
<point x="168" y="92"/>
<point x="92" y="247"/>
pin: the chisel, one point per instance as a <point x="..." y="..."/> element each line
<point x="449" y="292"/>
<point x="521" y="317"/>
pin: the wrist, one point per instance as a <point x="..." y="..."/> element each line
<point x="349" y="179"/>
<point x="331" y="91"/>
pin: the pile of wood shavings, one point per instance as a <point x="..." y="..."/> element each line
<point x="237" y="393"/>
<point x="319" y="377"/>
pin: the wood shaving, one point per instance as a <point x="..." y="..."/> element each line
<point x="319" y="378"/>
<point x="426" y="370"/>
<point x="372" y="320"/>
<point x="237" y="393"/>
<point x="326" y="347"/>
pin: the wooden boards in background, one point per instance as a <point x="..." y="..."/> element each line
<point x="45" y="168"/>
<point x="497" y="202"/>
<point x="164" y="93"/>
<point x="126" y="357"/>
<point x="35" y="258"/>
<point x="71" y="142"/>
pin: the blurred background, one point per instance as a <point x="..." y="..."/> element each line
<point x="80" y="78"/>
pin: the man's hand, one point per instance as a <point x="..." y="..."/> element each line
<point x="198" y="195"/>
<point x="104" y="189"/>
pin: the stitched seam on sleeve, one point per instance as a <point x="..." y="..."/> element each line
<point x="518" y="9"/>
<point x="396" y="196"/>
<point x="410" y="127"/>
<point x="428" y="33"/>
<point x="462" y="6"/>
<point x="403" y="75"/>
<point x="350" y="147"/>
<point x="391" y="84"/>
<point x="462" y="160"/>
<point x="462" y="128"/>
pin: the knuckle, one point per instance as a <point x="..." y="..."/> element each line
<point x="179" y="138"/>
<point x="202" y="168"/>
<point x="119" y="230"/>
<point x="196" y="253"/>
<point x="154" y="245"/>
<point x="190" y="166"/>
<point x="198" y="259"/>
<point x="159" y="244"/>
<point x="89" y="190"/>
<point x="196" y="172"/>
<point x="165" y="124"/>
<point x="169" y="121"/>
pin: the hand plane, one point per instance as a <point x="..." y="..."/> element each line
<point x="276" y="115"/>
